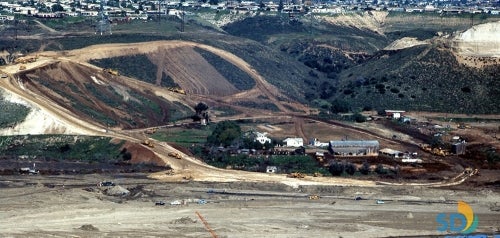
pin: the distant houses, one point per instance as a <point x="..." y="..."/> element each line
<point x="262" y="138"/>
<point x="293" y="142"/>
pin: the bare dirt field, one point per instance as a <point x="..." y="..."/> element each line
<point x="74" y="206"/>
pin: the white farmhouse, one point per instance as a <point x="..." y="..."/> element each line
<point x="262" y="137"/>
<point x="293" y="142"/>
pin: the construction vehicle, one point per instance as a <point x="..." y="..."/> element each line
<point x="434" y="151"/>
<point x="30" y="171"/>
<point x="464" y="126"/>
<point x="22" y="67"/>
<point x="296" y="175"/>
<point x="175" y="155"/>
<point x="317" y="174"/>
<point x="314" y="197"/>
<point x="24" y="60"/>
<point x="148" y="143"/>
<point x="440" y="152"/>
<point x="177" y="90"/>
<point x="152" y="130"/>
<point x="106" y="184"/>
<point x="112" y="72"/>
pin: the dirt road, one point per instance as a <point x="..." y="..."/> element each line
<point x="64" y="206"/>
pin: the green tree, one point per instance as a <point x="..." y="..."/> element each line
<point x="380" y="169"/>
<point x="225" y="133"/>
<point x="350" y="168"/>
<point x="358" y="117"/>
<point x="339" y="106"/>
<point x="365" y="168"/>
<point x="336" y="168"/>
<point x="57" y="8"/>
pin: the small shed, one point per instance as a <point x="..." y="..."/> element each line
<point x="458" y="148"/>
<point x="395" y="114"/>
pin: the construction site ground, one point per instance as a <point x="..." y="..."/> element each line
<point x="240" y="204"/>
<point x="74" y="206"/>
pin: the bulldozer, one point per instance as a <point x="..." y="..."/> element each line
<point x="148" y="143"/>
<point x="151" y="131"/>
<point x="24" y="60"/>
<point x="175" y="155"/>
<point x="296" y="175"/>
<point x="112" y="72"/>
<point x="314" y="197"/>
<point x="177" y="90"/>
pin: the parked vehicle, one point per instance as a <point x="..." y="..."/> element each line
<point x="106" y="184"/>
<point x="176" y="202"/>
<point x="202" y="201"/>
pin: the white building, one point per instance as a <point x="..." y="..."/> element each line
<point x="316" y="143"/>
<point x="262" y="137"/>
<point x="293" y="142"/>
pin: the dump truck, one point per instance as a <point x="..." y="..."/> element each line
<point x="175" y="155"/>
<point x="148" y="143"/>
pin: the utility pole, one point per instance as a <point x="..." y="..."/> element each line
<point x="182" y="19"/>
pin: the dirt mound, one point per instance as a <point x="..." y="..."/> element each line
<point x="116" y="191"/>
<point x="371" y="20"/>
<point x="481" y="40"/>
<point x="88" y="227"/>
<point x="140" y="154"/>
<point x="183" y="220"/>
<point x="403" y="43"/>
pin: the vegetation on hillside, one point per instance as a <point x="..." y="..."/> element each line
<point x="316" y="62"/>
<point x="135" y="66"/>
<point x="83" y="148"/>
<point x="233" y="74"/>
<point x="11" y="113"/>
<point x="432" y="81"/>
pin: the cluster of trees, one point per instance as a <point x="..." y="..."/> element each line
<point x="338" y="168"/>
<point x="200" y="112"/>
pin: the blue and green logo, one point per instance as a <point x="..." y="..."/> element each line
<point x="464" y="221"/>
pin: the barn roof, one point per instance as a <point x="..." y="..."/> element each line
<point x="354" y="143"/>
